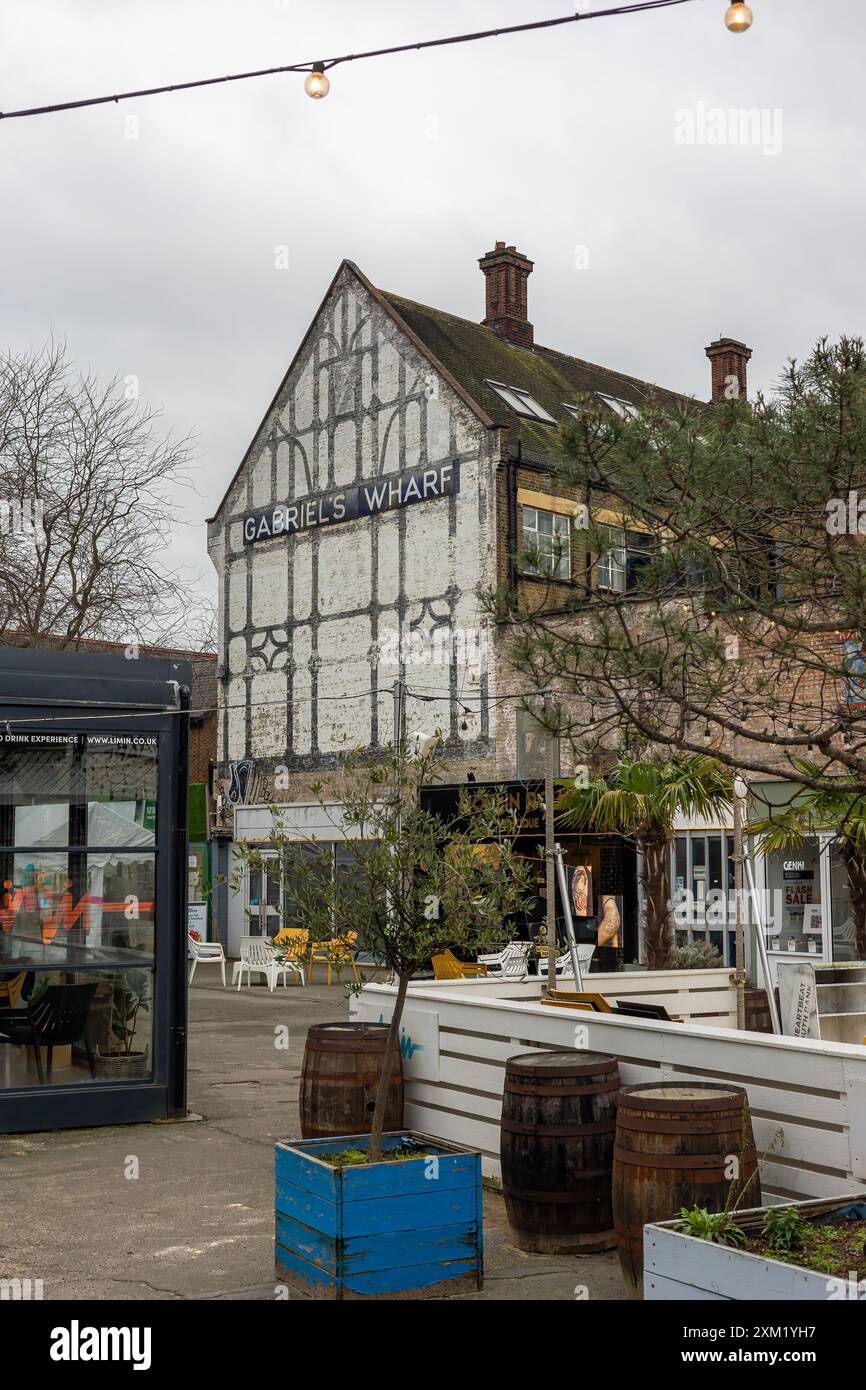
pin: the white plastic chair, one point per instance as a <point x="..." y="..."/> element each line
<point x="206" y="953"/>
<point x="508" y="964"/>
<point x="564" y="969"/>
<point x="258" y="957"/>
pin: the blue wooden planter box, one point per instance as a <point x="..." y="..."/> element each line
<point x="409" y="1228"/>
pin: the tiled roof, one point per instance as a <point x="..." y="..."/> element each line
<point x="475" y="355"/>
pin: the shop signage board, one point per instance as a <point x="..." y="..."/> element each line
<point x="525" y="800"/>
<point x="798" y="999"/>
<point x="348" y="504"/>
<point x="196" y="919"/>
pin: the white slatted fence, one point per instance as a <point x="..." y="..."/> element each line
<point x="808" y="1098"/>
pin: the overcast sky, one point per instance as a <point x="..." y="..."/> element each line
<point x="155" y="256"/>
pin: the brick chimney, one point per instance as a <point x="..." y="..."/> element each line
<point x="506" y="271"/>
<point x="728" y="359"/>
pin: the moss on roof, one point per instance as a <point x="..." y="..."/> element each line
<point x="474" y="355"/>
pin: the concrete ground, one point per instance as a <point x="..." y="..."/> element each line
<point x="185" y="1210"/>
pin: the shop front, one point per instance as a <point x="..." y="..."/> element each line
<point x="260" y="899"/>
<point x="600" y="872"/>
<point x="806" y="907"/>
<point x="802" y="893"/>
<point x="93" y="865"/>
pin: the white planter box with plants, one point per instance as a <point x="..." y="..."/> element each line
<point x="807" y="1251"/>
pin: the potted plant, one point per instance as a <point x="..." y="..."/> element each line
<point x="697" y="955"/>
<point x="129" y="994"/>
<point x="807" y="1250"/>
<point x="397" y="1214"/>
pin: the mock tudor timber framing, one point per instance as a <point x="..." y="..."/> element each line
<point x="359" y="410"/>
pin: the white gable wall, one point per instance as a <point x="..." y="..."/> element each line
<point x="314" y="616"/>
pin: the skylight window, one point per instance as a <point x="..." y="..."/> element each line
<point x="624" y="409"/>
<point x="521" y="402"/>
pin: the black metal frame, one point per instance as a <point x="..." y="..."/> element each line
<point x="95" y="692"/>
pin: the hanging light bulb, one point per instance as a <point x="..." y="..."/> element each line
<point x="316" y="84"/>
<point x="739" y="17"/>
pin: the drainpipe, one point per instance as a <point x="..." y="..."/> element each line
<point x="549" y="844"/>
<point x="511" y="534"/>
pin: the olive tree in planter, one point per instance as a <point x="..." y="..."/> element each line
<point x="412" y="885"/>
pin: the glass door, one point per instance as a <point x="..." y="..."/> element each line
<point x="263" y="900"/>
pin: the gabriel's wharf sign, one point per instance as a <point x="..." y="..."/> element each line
<point x="367" y="499"/>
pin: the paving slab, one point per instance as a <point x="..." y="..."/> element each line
<point x="184" y="1210"/>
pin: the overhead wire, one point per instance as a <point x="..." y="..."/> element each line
<point x="310" y="65"/>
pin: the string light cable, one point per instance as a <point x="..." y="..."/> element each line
<point x="139" y="711"/>
<point x="738" y="18"/>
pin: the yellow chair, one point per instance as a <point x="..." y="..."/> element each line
<point x="335" y="954"/>
<point x="10" y="989"/>
<point x="446" y="966"/>
<point x="293" y="942"/>
<point x="580" y="999"/>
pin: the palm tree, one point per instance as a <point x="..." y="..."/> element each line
<point x="839" y="809"/>
<point x="639" y="800"/>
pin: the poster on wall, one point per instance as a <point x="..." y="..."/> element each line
<point x="579" y="879"/>
<point x="196" y="919"/>
<point x="580" y="902"/>
<point x="798" y="999"/>
<point x="610" y="920"/>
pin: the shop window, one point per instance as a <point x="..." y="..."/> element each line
<point x="702" y="876"/>
<point x="276" y="899"/>
<point x="546" y="544"/>
<point x="77" y="907"/>
<point x="794" y="918"/>
<point x="531" y="748"/>
<point x="844" y="946"/>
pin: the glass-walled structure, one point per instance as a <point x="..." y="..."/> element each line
<point x="92" y="888"/>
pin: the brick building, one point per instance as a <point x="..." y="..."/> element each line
<point x="406" y="463"/>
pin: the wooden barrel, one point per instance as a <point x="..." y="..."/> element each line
<point x="678" y="1146"/>
<point x="757" y="1011"/>
<point x="342" y="1066"/>
<point x="556" y="1147"/>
